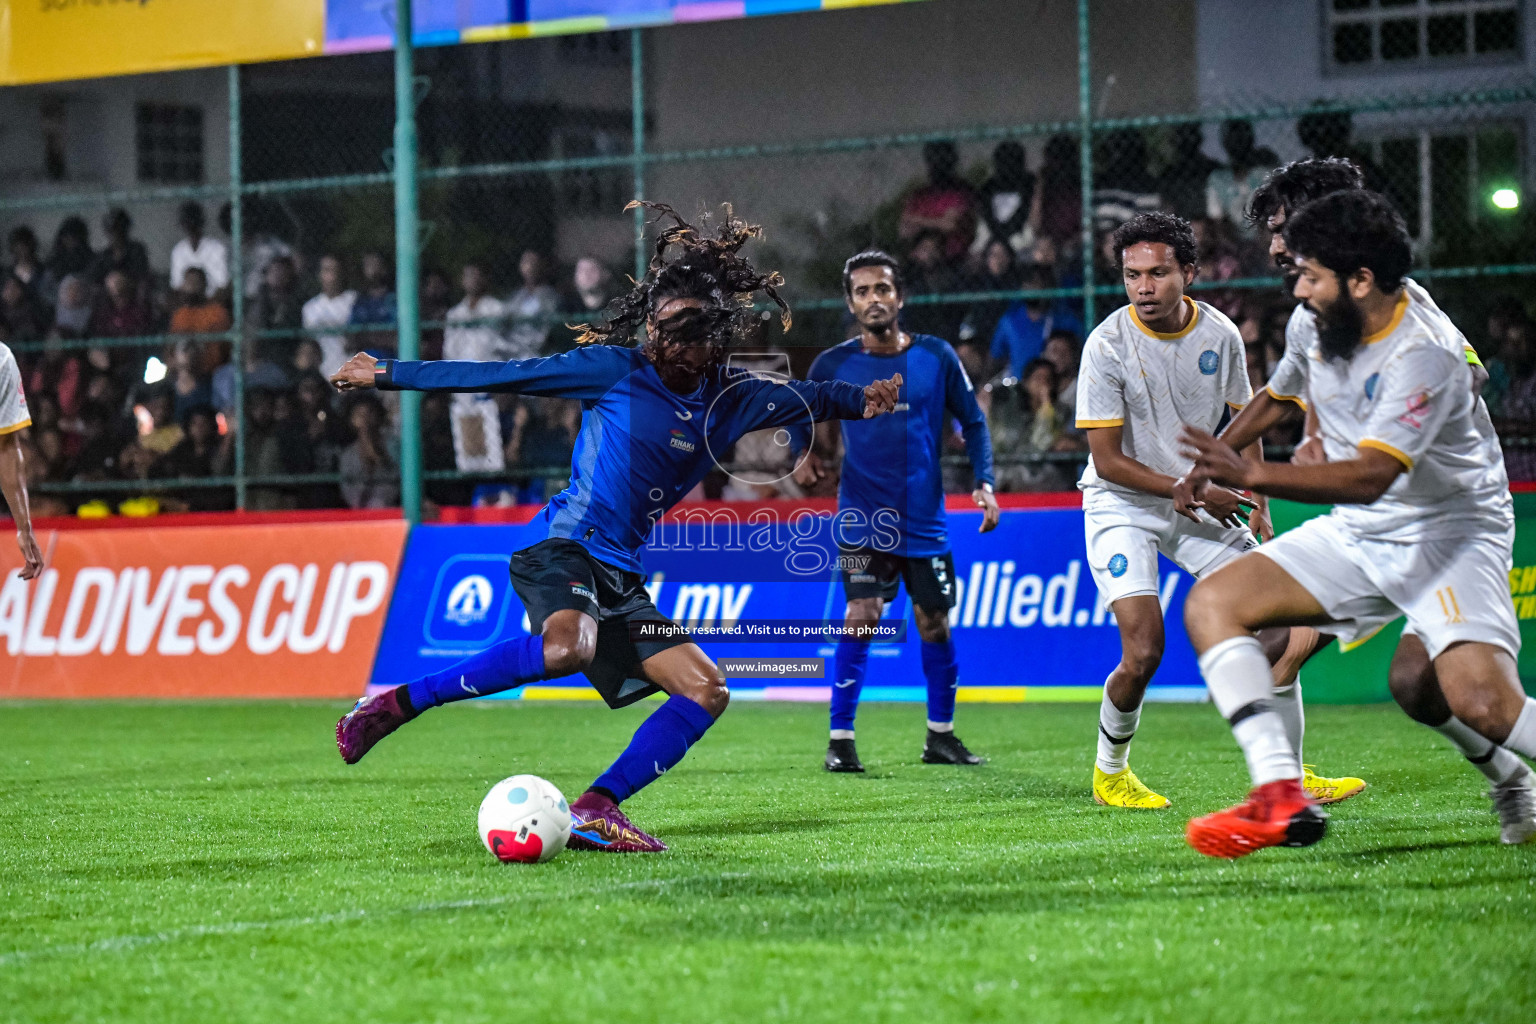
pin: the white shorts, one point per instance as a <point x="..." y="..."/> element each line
<point x="1124" y="539"/>
<point x="1451" y="590"/>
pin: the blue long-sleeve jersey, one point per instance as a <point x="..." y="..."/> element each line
<point x="892" y="478"/>
<point x="642" y="446"/>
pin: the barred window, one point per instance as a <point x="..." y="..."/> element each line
<point x="1367" y="34"/>
<point x="170" y="143"/>
<point x="1441" y="176"/>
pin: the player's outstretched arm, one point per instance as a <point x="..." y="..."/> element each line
<point x="1357" y="481"/>
<point x="1256" y="419"/>
<point x="13" y="484"/>
<point x="585" y="373"/>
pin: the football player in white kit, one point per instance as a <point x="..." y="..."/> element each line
<point x="1411" y="678"/>
<point x="1152" y="366"/>
<point x="13" y="482"/>
<point x="1422" y="526"/>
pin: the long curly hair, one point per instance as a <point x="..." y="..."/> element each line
<point x="692" y="263"/>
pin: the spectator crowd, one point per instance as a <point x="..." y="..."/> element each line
<point x="132" y="382"/>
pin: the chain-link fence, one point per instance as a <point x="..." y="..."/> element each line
<point x="176" y="296"/>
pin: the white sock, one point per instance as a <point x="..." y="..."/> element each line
<point x="1287" y="704"/>
<point x="1237" y="675"/>
<point x="842" y="734"/>
<point x="1496" y="763"/>
<point x="940" y="726"/>
<point x="1522" y="738"/>
<point x="1116" y="728"/>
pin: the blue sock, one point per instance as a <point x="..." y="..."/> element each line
<point x="847" y="681"/>
<point x="509" y="664"/>
<point x="659" y="743"/>
<point x="941" y="670"/>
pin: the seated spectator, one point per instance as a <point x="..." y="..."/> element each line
<point x="277" y="307"/>
<point x="591" y="289"/>
<point x="1507" y="310"/>
<point x="1182" y="184"/>
<point x="946" y="204"/>
<point x="122" y="313"/>
<point x="71" y="253"/>
<point x="270" y="444"/>
<point x="370" y="465"/>
<point x="1516" y="421"/>
<point x="189" y="386"/>
<point x="1006" y="203"/>
<point x="1061" y="193"/>
<point x="260" y="374"/>
<point x="324" y="436"/>
<point x="532" y="309"/>
<point x="927" y="272"/>
<point x="22" y="317"/>
<point x="58" y="373"/>
<point x="1123" y="186"/>
<point x="1064" y="352"/>
<point x="1229" y="188"/>
<point x="1022" y="330"/>
<point x="307" y="359"/>
<point x="25" y="266"/>
<point x="200" y="453"/>
<point x="541" y="436"/>
<point x="331" y="308"/>
<point x="196" y="249"/>
<point x="1025" y="420"/>
<point x="197" y="314"/>
<point x="122" y="253"/>
<point x="436" y="300"/>
<point x="260" y="245"/>
<point x="474" y="332"/>
<point x="999" y="273"/>
<point x="375" y="305"/>
<point x="74" y="308"/>
<point x="159" y="430"/>
<point x="100" y="443"/>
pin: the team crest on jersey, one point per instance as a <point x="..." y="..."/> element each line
<point x="1370" y="386"/>
<point x="1210" y="362"/>
<point x="1418" y="407"/>
<point x="681" y="443"/>
<point x="1117" y="565"/>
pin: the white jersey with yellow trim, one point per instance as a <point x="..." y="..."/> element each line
<point x="1152" y="384"/>
<point x="1407" y="391"/>
<point x="13" y="400"/>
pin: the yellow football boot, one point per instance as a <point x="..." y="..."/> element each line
<point x="1329" y="791"/>
<point x="1124" y="789"/>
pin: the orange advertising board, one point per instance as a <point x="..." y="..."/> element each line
<point x="283" y="610"/>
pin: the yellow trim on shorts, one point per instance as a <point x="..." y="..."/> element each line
<point x="1090" y="424"/>
<point x="1382" y="446"/>
<point x="23" y="425"/>
<point x="1277" y="396"/>
<point x="1347" y="647"/>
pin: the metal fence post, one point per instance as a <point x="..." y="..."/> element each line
<point x="237" y="282"/>
<point x="637" y="102"/>
<point x="1085" y="157"/>
<point x="407" y="258"/>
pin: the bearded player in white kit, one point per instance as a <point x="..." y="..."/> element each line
<point x="1423" y="523"/>
<point x="1150" y="368"/>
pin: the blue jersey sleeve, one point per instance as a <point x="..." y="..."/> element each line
<point x="960" y="402"/>
<point x="585" y="373"/>
<point x="802" y="434"/>
<point x="774" y="403"/>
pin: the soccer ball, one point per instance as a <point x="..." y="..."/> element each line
<point x="525" y="819"/>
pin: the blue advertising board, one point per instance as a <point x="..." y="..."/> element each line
<point x="1028" y="624"/>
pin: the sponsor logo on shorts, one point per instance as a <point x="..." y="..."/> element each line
<point x="582" y="591"/>
<point x="1210" y="362"/>
<point x="1117" y="565"/>
<point x="861" y="577"/>
<point x="681" y="443"/>
<point x="1370" y="385"/>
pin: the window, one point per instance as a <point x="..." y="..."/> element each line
<point x="1441" y="177"/>
<point x="1366" y="34"/>
<point x="170" y="143"/>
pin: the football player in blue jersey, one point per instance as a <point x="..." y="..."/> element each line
<point x="890" y="523"/>
<point x="651" y="414"/>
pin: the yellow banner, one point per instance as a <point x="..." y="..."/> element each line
<point x="54" y="40"/>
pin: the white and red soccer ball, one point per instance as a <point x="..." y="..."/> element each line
<point x="525" y="819"/>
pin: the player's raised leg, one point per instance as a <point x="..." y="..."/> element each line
<point x="941" y="671"/>
<point x="1140" y="619"/>
<point x="1511" y="784"/>
<point x="849" y="663"/>
<point x="565" y="645"/>
<point x="696" y="696"/>
<point x="1222" y="614"/>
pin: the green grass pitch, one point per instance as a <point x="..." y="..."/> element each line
<point x="218" y="863"/>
